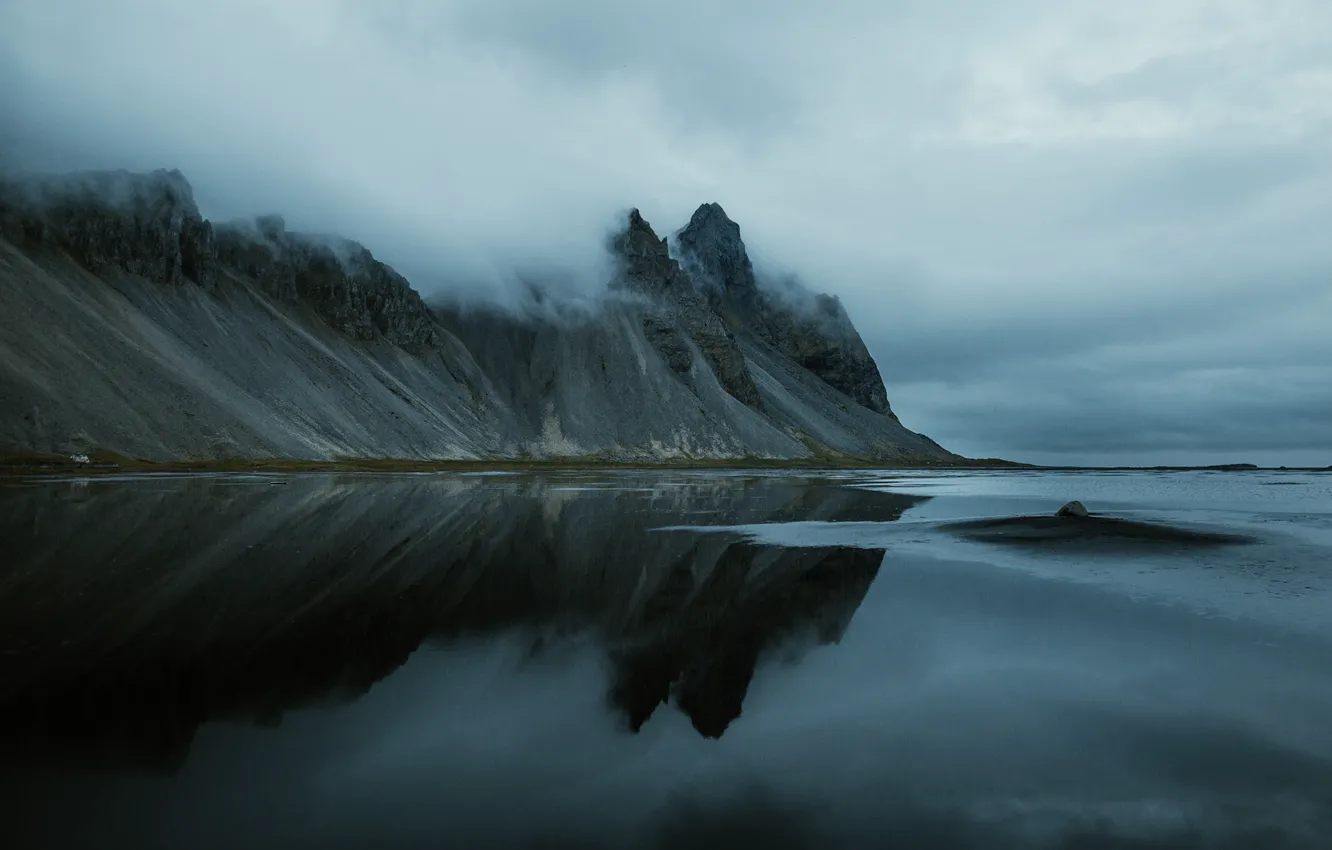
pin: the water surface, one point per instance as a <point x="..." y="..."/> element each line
<point x="663" y="659"/>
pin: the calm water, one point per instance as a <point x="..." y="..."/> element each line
<point x="663" y="660"/>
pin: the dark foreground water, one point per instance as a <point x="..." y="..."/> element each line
<point x="666" y="660"/>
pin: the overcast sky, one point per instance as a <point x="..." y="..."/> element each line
<point x="1083" y="231"/>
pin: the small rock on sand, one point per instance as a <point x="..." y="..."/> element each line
<point x="1073" y="509"/>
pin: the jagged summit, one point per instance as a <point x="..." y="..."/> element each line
<point x="716" y="255"/>
<point x="647" y="263"/>
<point x="813" y="330"/>
<point x="130" y="323"/>
<point x="650" y="270"/>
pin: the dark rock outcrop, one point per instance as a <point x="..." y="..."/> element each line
<point x="648" y="269"/>
<point x="813" y="330"/>
<point x="341" y="280"/>
<point x="255" y="249"/>
<point x="148" y="225"/>
<point x="142" y="224"/>
<point x="1073" y="509"/>
<point x="670" y="342"/>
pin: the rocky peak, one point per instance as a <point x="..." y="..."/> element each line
<point x="648" y="269"/>
<point x="142" y="224"/>
<point x="647" y="258"/>
<point x="639" y="230"/>
<point x="646" y="263"/>
<point x="813" y="330"/>
<point x="716" y="254"/>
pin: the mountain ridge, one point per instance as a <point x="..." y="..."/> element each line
<point x="136" y="326"/>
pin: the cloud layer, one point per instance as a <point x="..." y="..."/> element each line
<point x="1070" y="231"/>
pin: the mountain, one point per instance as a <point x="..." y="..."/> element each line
<point x="129" y="324"/>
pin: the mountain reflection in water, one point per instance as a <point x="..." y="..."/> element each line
<point x="313" y="661"/>
<point x="133" y="612"/>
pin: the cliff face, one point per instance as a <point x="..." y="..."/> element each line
<point x="352" y="291"/>
<point x="129" y="323"/>
<point x="812" y="330"/>
<point x="143" y="224"/>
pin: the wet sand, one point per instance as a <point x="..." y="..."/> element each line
<point x="1099" y="531"/>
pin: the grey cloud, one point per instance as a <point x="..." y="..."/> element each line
<point x="1151" y="422"/>
<point x="1190" y="77"/>
<point x="1083" y="415"/>
<point x="1209" y="181"/>
<point x="1239" y="330"/>
<point x="712" y="62"/>
<point x="1237" y="380"/>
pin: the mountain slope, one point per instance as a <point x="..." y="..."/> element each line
<point x="130" y="324"/>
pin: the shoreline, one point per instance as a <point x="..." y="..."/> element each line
<point x="30" y="464"/>
<point x="27" y="464"/>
